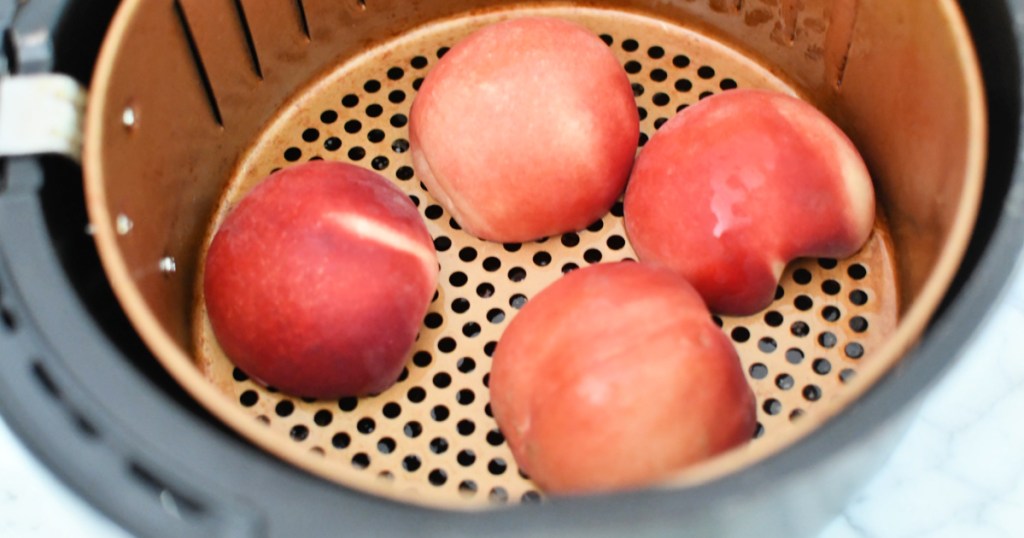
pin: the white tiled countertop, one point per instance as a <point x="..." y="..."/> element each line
<point x="957" y="473"/>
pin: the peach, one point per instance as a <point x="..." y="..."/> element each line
<point x="317" y="282"/>
<point x="525" y="129"/>
<point x="733" y="188"/>
<point x="613" y="378"/>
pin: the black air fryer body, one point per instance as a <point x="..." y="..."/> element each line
<point x="81" y="390"/>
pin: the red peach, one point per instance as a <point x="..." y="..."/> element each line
<point x="525" y="129"/>
<point x="317" y="282"/>
<point x="733" y="188"/>
<point x="614" y="377"/>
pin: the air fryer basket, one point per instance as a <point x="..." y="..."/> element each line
<point x="250" y="90"/>
<point x="190" y="109"/>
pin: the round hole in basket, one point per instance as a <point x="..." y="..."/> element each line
<point x="336" y="80"/>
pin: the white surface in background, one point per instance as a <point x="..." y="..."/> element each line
<point x="957" y="473"/>
<point x="33" y="503"/>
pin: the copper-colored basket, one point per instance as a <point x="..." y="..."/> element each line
<point x="194" y="101"/>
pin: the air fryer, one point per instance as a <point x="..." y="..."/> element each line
<point x="114" y="378"/>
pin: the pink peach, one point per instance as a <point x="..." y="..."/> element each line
<point x="317" y="282"/>
<point x="615" y="377"/>
<point x="525" y="129"/>
<point x="733" y="188"/>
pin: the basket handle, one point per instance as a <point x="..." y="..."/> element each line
<point x="41" y="114"/>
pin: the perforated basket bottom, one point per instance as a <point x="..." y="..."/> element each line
<point x="431" y="439"/>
